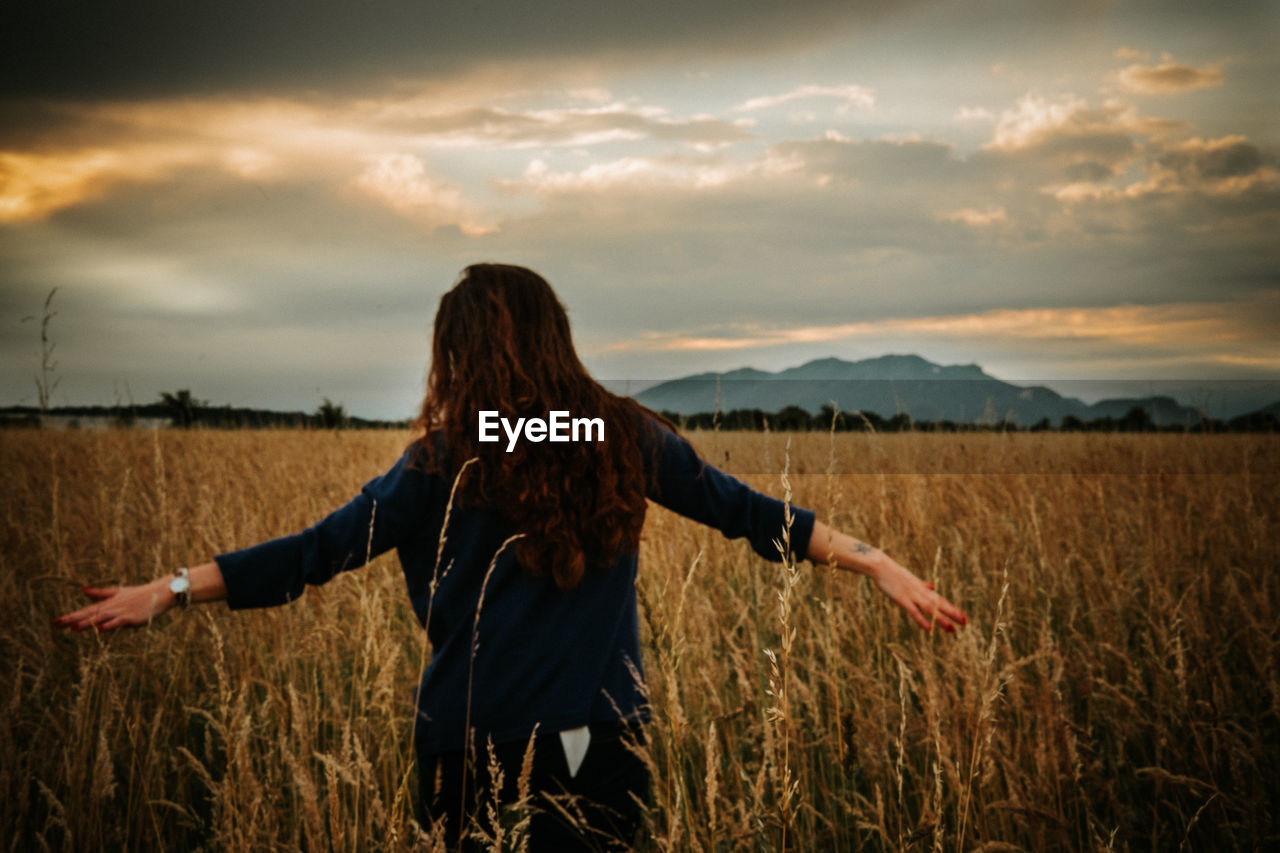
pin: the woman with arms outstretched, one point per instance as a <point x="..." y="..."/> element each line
<point x="516" y="514"/>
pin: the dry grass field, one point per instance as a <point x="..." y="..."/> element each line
<point x="1118" y="687"/>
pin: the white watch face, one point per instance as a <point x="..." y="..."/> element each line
<point x="179" y="586"/>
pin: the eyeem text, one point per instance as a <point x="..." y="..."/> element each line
<point x="557" y="427"/>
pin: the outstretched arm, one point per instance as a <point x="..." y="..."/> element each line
<point x="131" y="606"/>
<point x="705" y="494"/>
<point x="909" y="592"/>
<point x="275" y="572"/>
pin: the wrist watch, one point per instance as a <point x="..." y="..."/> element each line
<point x="180" y="586"/>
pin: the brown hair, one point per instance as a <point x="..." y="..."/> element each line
<point x="502" y="342"/>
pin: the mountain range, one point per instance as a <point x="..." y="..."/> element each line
<point x="896" y="384"/>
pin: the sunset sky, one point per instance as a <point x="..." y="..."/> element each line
<point x="263" y="201"/>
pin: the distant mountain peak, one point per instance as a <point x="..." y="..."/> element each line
<point x="899" y="358"/>
<point x="888" y="384"/>
<point x="893" y="366"/>
<point x="744" y="373"/>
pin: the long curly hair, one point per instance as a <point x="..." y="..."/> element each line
<point x="502" y="342"/>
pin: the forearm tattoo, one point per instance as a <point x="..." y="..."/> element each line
<point x="862" y="547"/>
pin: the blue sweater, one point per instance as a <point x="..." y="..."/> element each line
<point x="535" y="654"/>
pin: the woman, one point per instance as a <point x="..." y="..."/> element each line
<point x="519" y="552"/>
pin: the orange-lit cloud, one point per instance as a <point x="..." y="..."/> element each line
<point x="1223" y="329"/>
<point x="108" y="146"/>
<point x="1071" y="129"/>
<point x="1168" y="78"/>
<point x="34" y="185"/>
<point x="1131" y="53"/>
<point x="976" y="218"/>
<point x="400" y="180"/>
<point x="1034" y="118"/>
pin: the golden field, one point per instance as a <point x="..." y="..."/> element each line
<point x="1118" y="687"/>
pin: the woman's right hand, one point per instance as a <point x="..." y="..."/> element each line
<point x="119" y="607"/>
<point x="131" y="606"/>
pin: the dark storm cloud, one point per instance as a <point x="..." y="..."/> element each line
<point x="137" y="48"/>
<point x="1089" y="171"/>
<point x="155" y="47"/>
<point x="1197" y="161"/>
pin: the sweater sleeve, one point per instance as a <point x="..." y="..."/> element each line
<point x="374" y="521"/>
<point x="696" y="490"/>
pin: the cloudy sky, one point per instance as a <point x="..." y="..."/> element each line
<point x="263" y="202"/>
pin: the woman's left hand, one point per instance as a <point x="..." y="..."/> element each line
<point x="917" y="597"/>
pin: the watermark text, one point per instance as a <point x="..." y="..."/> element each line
<point x="557" y="427"/>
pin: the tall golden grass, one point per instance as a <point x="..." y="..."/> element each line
<point x="1117" y="688"/>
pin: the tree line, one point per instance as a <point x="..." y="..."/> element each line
<point x="828" y="419"/>
<point x="184" y="411"/>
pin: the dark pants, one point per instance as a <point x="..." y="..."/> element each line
<point x="598" y="809"/>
